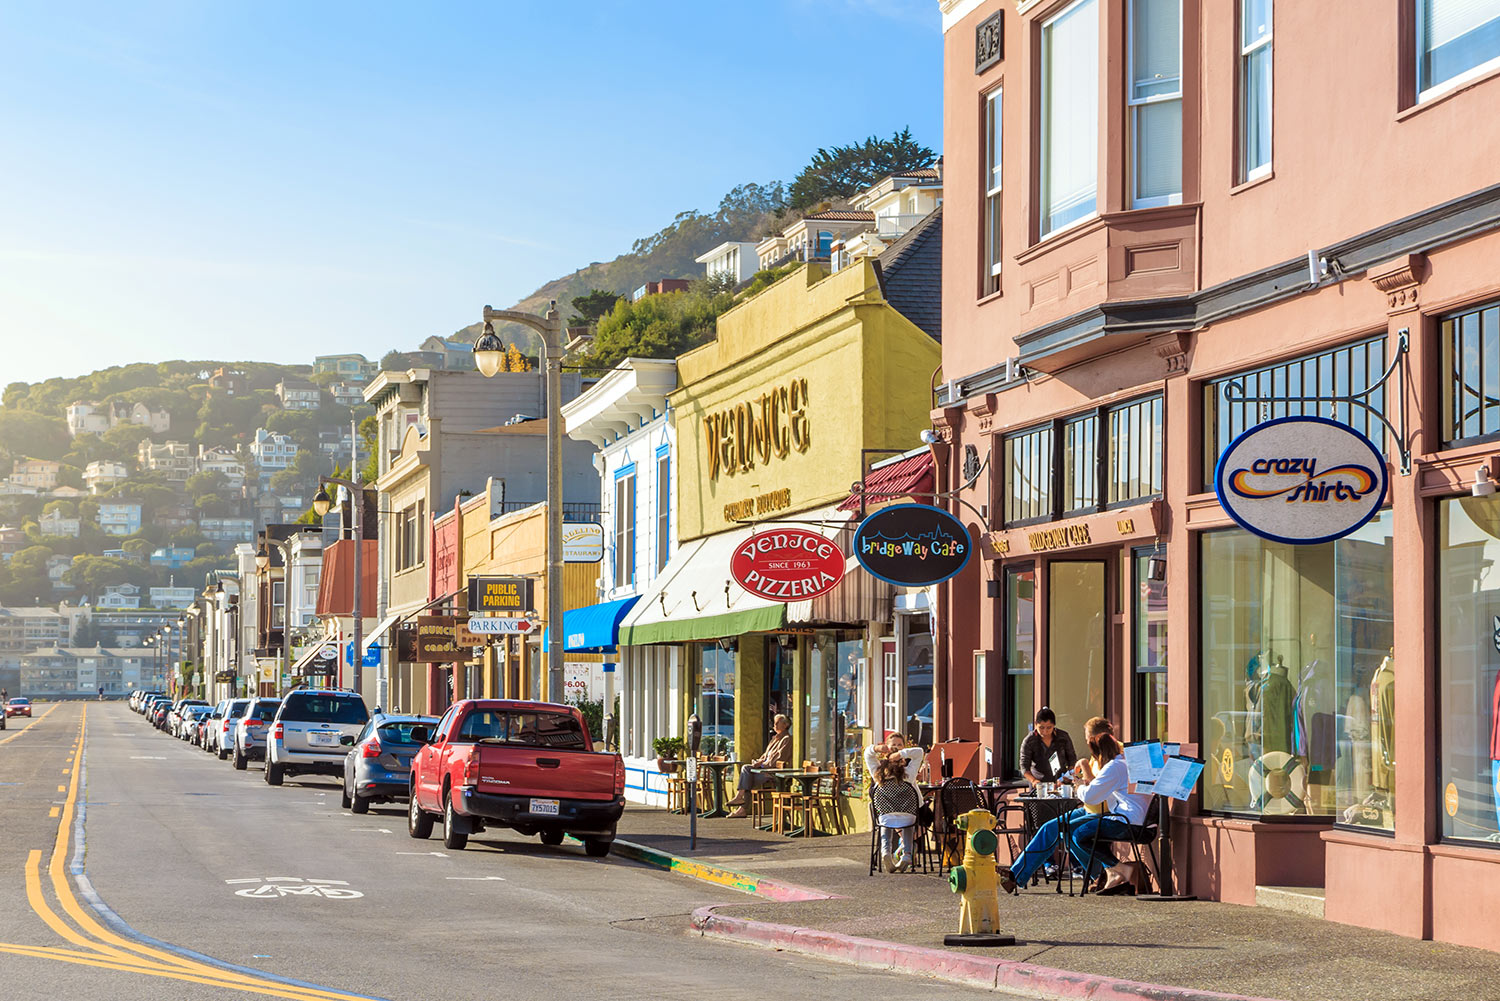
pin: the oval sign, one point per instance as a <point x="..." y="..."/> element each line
<point x="1301" y="480"/>
<point x="787" y="564"/>
<point x="912" y="545"/>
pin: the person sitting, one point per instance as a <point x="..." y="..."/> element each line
<point x="1106" y="784"/>
<point x="1045" y="740"/>
<point x="894" y="742"/>
<point x="896" y="802"/>
<point x="754" y="775"/>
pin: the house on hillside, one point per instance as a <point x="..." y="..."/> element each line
<point x="272" y="452"/>
<point x="736" y="259"/>
<point x="811" y="237"/>
<point x="347" y="394"/>
<point x="120" y="518"/>
<point x="102" y="474"/>
<point x="171" y="597"/>
<point x="87" y="416"/>
<point x="174" y="458"/>
<point x="456" y="355"/>
<point x="229" y="382"/>
<point x="57" y="566"/>
<point x="39" y="473"/>
<point x="659" y="288"/>
<point x="226" y="462"/>
<point x="172" y="557"/>
<point x="299" y="394"/>
<point x="226" y="530"/>
<point x="353" y="368"/>
<point x="56" y="524"/>
<point x="120" y="596"/>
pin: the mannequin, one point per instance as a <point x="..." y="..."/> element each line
<point x="1383" y="726"/>
<point x="1495" y="749"/>
<point x="1358" y="715"/>
<point x="1277" y="697"/>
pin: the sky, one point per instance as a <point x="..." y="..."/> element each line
<point x="236" y="180"/>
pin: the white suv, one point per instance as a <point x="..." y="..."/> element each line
<point x="307" y="733"/>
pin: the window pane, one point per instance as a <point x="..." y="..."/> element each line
<point x="1135" y="434"/>
<point x="1070" y="115"/>
<point x="716" y="698"/>
<point x="1456" y="36"/>
<point x="1255" y="111"/>
<point x="1158" y="150"/>
<point x="1075" y="642"/>
<point x="1296" y="666"/>
<point x="1020" y="650"/>
<point x="1028" y="475"/>
<point x="1080" y="469"/>
<point x="1255" y="21"/>
<point x="1156" y="48"/>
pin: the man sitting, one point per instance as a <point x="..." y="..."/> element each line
<point x="778" y="755"/>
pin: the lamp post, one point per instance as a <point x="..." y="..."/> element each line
<point x="489" y="354"/>
<point x="262" y="564"/>
<point x="321" y="502"/>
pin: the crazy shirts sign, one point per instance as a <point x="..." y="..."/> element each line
<point x="1301" y="480"/>
<point x="912" y="545"/>
<point x="787" y="564"/>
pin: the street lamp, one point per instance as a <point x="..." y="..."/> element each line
<point x="321" y="503"/>
<point x="489" y="354"/>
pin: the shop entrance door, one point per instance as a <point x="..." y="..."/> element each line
<point x="781" y="651"/>
<point x="1077" y="624"/>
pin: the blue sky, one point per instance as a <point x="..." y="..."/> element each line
<point x="273" y="180"/>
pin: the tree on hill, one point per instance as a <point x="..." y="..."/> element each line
<point x="27" y="581"/>
<point x="840" y="172"/>
<point x="31" y="435"/>
<point x="122" y="441"/>
<point x="656" y="326"/>
<point x="591" y="307"/>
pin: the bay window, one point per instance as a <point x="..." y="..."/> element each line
<point x="1155" y="102"/>
<point x="1255" y="89"/>
<point x="1070" y="116"/>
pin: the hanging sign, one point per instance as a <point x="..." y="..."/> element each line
<point x="437" y="640"/>
<point x="583" y="542"/>
<point x="500" y="594"/>
<point x="787" y="564"/>
<point x="912" y="545"/>
<point x="1301" y="480"/>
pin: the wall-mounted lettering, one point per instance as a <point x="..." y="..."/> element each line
<point x="772" y="425"/>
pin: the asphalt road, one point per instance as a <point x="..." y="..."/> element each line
<point x="182" y="878"/>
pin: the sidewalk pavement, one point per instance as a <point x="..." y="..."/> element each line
<point x="816" y="896"/>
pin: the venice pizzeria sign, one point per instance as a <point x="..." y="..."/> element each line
<point x="1301" y="480"/>
<point x="787" y="564"/>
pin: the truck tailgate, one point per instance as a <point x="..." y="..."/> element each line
<point x="553" y="773"/>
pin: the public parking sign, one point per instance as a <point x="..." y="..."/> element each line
<point x="496" y="625"/>
<point x="500" y="594"/>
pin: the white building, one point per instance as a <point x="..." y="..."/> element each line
<point x="227" y="529"/>
<point x="736" y="259"/>
<point x="625" y="416"/>
<point x="175" y="458"/>
<point x="86" y="416"/>
<point x="223" y="461"/>
<point x="102" y="474"/>
<point x="272" y="452"/>
<point x="54" y="523"/>
<point x="171" y="597"/>
<point x="296" y="394"/>
<point x="120" y="596"/>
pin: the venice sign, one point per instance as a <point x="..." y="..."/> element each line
<point x="787" y="564"/>
<point x="912" y="545"/>
<point x="1301" y="480"/>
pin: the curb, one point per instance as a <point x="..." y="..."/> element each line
<point x="978" y="971"/>
<point x="743" y="882"/>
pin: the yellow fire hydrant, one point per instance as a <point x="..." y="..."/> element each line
<point x="976" y="878"/>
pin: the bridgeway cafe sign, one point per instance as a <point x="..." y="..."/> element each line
<point x="912" y="545"/>
<point x="787" y="564"/>
<point x="1301" y="480"/>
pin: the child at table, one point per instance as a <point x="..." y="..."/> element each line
<point x="897" y="801"/>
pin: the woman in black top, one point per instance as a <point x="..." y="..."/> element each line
<point x="1040" y="744"/>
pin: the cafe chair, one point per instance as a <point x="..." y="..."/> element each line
<point x="921" y="845"/>
<point x="1136" y="835"/>
<point x="677" y="790"/>
<point x="823" y="805"/>
<point x="787" y="803"/>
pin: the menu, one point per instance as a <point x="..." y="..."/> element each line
<point x="1179" y="775"/>
<point x="1144" y="760"/>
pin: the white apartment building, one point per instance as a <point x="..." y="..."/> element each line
<point x="102" y="474"/>
<point x="736" y="259"/>
<point x="272" y="452"/>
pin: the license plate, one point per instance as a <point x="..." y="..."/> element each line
<point x="546" y="807"/>
<point x="322" y="739"/>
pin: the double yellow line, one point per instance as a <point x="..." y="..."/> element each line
<point x="97" y="946"/>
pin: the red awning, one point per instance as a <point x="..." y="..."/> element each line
<point x="911" y="477"/>
<point x="336" y="585"/>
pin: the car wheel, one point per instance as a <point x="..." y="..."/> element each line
<point x="273" y="773"/>
<point x="223" y="754"/>
<point x="358" y="804"/>
<point x="552" y="837"/>
<point x="455" y="828"/>
<point x="344" y="796"/>
<point x="596" y="847"/>
<point x="418" y="823"/>
<point x="239" y="759"/>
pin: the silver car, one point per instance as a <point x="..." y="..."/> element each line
<point x="377" y="767"/>
<point x="187" y="721"/>
<point x="220" y="736"/>
<point x="250" y="731"/>
<point x="307" y="734"/>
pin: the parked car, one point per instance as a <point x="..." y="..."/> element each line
<point x="176" y="716"/>
<point x="19" y="706"/>
<point x="188" y="717"/>
<point x="160" y="713"/>
<point x="218" y="736"/>
<point x="377" y="767"/>
<point x="529" y="766"/>
<point x="306" y="736"/>
<point x="250" y="731"/>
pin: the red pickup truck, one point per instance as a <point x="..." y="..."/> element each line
<point x="529" y="766"/>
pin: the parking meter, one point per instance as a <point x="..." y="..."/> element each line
<point x="695" y="740"/>
<point x="694" y="733"/>
<point x="609" y="731"/>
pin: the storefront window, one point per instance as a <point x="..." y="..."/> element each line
<point x="1028" y="476"/>
<point x="918" y="723"/>
<point x="1020" y="655"/>
<point x="1469" y="668"/>
<point x="1297" y="670"/>
<point x="1471" y="361"/>
<point x="1149" y="627"/>
<point x="1075" y="642"/>
<point x="835" y="684"/>
<point x="716" y="698"/>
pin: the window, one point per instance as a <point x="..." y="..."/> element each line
<point x="1457" y="40"/>
<point x="981" y="685"/>
<point x="1080" y="471"/>
<point x="1076" y="641"/>
<point x="410" y="524"/>
<point x="716" y="698"/>
<point x="1296" y="668"/>
<point x="1344" y="371"/>
<point x="1255" y="89"/>
<point x="1155" y="102"/>
<point x="1135" y="448"/>
<point x="1028" y="476"/>
<point x="1148" y="628"/>
<point x="1070" y="116"/>
<point x="1471" y="375"/>
<point x="625" y="529"/>
<point x="1020" y="654"/>
<point x="1468" y="673"/>
<point x="917" y="724"/>
<point x="278" y="604"/>
<point x="993" y="110"/>
<point x="663" y="508"/>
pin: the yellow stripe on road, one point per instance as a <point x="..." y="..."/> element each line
<point x="34" y="722"/>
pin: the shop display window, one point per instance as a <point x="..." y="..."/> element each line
<point x="1076" y="623"/>
<point x="836" y="716"/>
<point x="1471" y="358"/>
<point x="716" y="698"/>
<point x="918" y="723"/>
<point x="1297" y="676"/>
<point x="1149" y="628"/>
<point x="1469" y="668"/>
<point x="1020" y="659"/>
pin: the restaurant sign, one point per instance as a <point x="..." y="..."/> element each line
<point x="787" y="564"/>
<point x="500" y="594"/>
<point x="912" y="545"/>
<point x="583" y="542"/>
<point x="1301" y="480"/>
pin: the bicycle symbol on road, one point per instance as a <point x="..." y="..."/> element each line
<point x="275" y="887"/>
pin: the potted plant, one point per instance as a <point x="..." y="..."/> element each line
<point x="667" y="748"/>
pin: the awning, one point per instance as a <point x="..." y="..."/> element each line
<point x="910" y="475"/>
<point x="379" y="631"/>
<point x="695" y="598"/>
<point x="593" y="628"/>
<point x="307" y="658"/>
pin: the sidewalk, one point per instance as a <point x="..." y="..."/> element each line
<point x="1199" y="946"/>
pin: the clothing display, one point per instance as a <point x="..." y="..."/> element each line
<point x="1358" y="714"/>
<point x="1277" y="697"/>
<point x="1278" y="784"/>
<point x="1383" y="727"/>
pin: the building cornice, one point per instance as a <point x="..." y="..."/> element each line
<point x="955" y="11"/>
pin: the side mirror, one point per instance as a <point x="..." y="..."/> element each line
<point x="347" y="740"/>
<point x="421" y="735"/>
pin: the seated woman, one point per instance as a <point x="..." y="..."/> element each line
<point x="896" y="802"/>
<point x="1045" y="740"/>
<point x="1108" y="787"/>
<point x="894" y="741"/>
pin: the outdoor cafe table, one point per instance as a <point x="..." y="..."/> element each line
<point x="1038" y="810"/>
<point x="716" y="771"/>
<point x="806" y="780"/>
<point x="782" y="778"/>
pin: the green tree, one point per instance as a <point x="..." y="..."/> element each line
<point x="28" y="583"/>
<point x="137" y="546"/>
<point x="121" y="441"/>
<point x="207" y="482"/>
<point x="592" y="306"/>
<point x="656" y="326"/>
<point x="30" y="435"/>
<point x="92" y="574"/>
<point x="840" y="172"/>
<point x="64" y="507"/>
<point x="70" y="476"/>
<point x="214" y="506"/>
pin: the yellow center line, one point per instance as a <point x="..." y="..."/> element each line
<point x="34" y="722"/>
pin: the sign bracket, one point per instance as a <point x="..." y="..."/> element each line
<point x="1234" y="392"/>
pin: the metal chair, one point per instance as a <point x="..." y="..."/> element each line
<point x="1135" y="835"/>
<point x="956" y="797"/>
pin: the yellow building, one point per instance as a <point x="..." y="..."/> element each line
<point x="805" y="385"/>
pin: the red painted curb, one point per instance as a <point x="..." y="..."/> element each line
<point x="980" y="971"/>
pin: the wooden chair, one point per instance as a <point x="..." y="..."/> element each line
<point x="677" y="789"/>
<point x="823" y="804"/>
<point x="786" y="804"/>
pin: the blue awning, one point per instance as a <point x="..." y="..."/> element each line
<point x="593" y="628"/>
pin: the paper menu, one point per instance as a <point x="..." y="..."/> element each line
<point x="1144" y="760"/>
<point x="1171" y="749"/>
<point x="1056" y="763"/>
<point x="1179" y="776"/>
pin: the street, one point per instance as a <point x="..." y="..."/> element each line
<point x="189" y="879"/>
